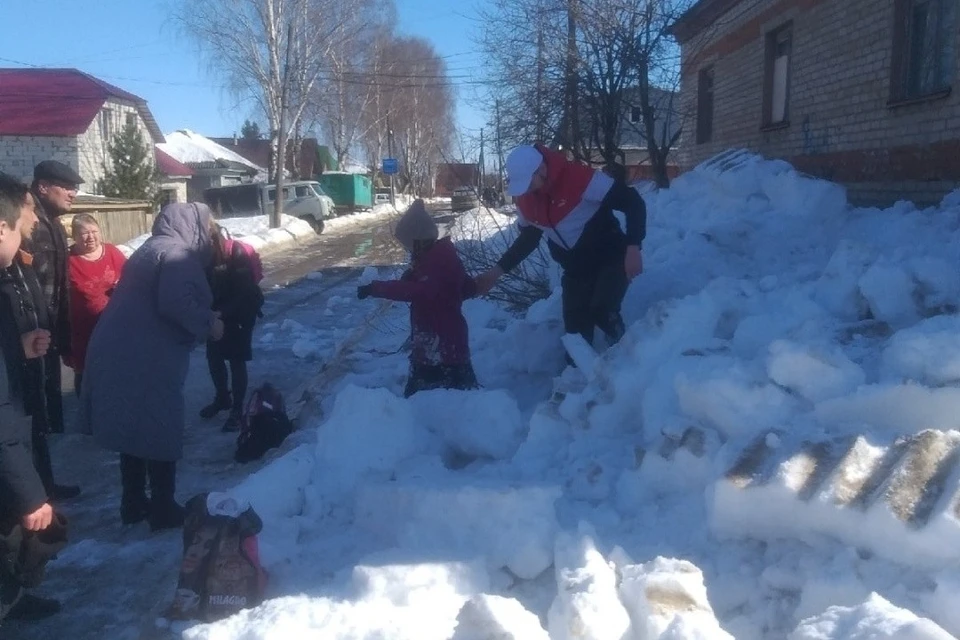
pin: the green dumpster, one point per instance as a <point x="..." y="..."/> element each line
<point x="350" y="191"/>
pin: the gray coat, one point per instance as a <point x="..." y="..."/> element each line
<point x="139" y="353"/>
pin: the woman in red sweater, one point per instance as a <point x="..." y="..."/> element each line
<point x="94" y="270"/>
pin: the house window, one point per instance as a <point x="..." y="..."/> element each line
<point x="776" y="92"/>
<point x="167" y="196"/>
<point x="106" y="124"/>
<point x="705" y="105"/>
<point x="636" y="115"/>
<point x="131" y="119"/>
<point x="923" y="48"/>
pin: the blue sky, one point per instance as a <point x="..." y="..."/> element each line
<point x="135" y="45"/>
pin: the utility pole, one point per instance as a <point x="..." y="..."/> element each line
<point x="393" y="193"/>
<point x="281" y="162"/>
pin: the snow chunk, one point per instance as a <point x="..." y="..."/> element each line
<point x="513" y="527"/>
<point x="369" y="431"/>
<point x="667" y="598"/>
<point x="814" y="375"/>
<point x="587" y="606"/>
<point x="875" y="619"/>
<point x="477" y="423"/>
<point x="888" y="290"/>
<point x="928" y="352"/>
<point x="489" y="617"/>
<point x="895" y="408"/>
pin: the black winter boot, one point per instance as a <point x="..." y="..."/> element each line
<point x="134" y="505"/>
<point x="165" y="513"/>
<point x="220" y="403"/>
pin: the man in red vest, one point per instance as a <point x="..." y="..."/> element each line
<point x="573" y="206"/>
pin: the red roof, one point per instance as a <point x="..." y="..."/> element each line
<point x="170" y="166"/>
<point x="59" y="102"/>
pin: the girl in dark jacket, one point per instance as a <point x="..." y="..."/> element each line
<point x="435" y="286"/>
<point x="234" y="281"/>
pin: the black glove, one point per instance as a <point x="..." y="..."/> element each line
<point x="364" y="291"/>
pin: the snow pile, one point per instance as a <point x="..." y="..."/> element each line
<point x="788" y="376"/>
<point x="875" y="619"/>
<point x="254" y="231"/>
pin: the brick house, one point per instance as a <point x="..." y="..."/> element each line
<point x="855" y="91"/>
<point x="66" y="115"/>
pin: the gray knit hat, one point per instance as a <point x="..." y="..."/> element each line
<point x="415" y="224"/>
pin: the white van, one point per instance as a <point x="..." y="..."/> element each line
<point x="304" y="199"/>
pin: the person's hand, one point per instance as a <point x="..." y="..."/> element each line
<point x="486" y="280"/>
<point x="364" y="291"/>
<point x="36" y="343"/>
<point x="633" y="262"/>
<point x="216" y="327"/>
<point x="39" y="519"/>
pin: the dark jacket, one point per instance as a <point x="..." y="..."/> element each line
<point x="575" y="209"/>
<point x="50" y="249"/>
<point x="22" y="297"/>
<point x="21" y="491"/>
<point x="236" y="294"/>
<point x="435" y="287"/>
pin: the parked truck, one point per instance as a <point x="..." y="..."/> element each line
<point x="304" y="199"/>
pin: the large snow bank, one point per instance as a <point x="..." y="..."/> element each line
<point x="773" y="322"/>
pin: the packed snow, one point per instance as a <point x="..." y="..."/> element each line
<point x="601" y="502"/>
<point x="253" y="230"/>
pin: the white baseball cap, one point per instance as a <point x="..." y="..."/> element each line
<point x="522" y="163"/>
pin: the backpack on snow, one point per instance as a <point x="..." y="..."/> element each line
<point x="220" y="573"/>
<point x="264" y="424"/>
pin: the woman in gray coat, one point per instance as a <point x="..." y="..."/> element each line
<point x="138" y="357"/>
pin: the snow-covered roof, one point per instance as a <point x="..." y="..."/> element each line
<point x="195" y="150"/>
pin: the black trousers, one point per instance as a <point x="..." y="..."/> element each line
<point x="592" y="299"/>
<point x="239" y="379"/>
<point x="426" y="377"/>
<point x="53" y="391"/>
<point x="41" y="457"/>
<point x="134" y="473"/>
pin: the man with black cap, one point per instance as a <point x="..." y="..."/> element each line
<point x="55" y="186"/>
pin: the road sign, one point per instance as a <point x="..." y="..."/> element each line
<point x="390" y="166"/>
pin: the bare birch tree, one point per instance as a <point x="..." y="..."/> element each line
<point x="272" y="51"/>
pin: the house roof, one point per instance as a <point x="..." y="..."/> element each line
<point x="698" y="17"/>
<point x="199" y="152"/>
<point x="59" y="102"/>
<point x="170" y="166"/>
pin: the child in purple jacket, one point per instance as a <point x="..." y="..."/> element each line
<point x="435" y="286"/>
